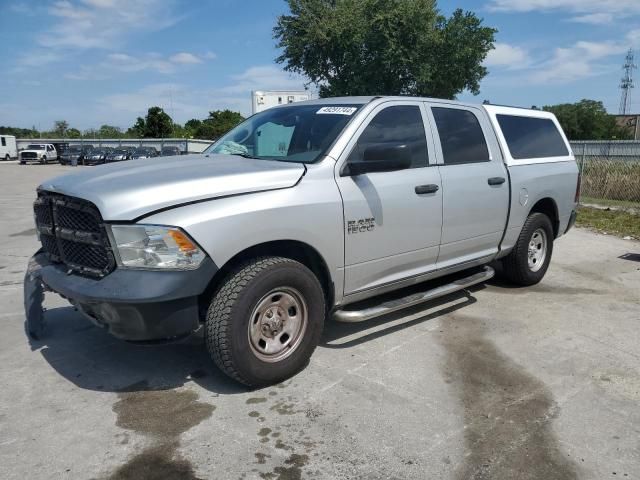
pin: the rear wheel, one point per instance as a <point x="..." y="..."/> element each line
<point x="265" y="320"/>
<point x="529" y="260"/>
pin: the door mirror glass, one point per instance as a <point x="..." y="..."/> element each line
<point x="382" y="158"/>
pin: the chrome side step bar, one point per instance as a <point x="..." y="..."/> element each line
<point x="352" y="316"/>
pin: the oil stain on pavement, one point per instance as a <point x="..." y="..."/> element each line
<point x="299" y="447"/>
<point x="507" y="412"/>
<point x="162" y="415"/>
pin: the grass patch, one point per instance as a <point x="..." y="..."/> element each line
<point x="617" y="222"/>
<point x="610" y="203"/>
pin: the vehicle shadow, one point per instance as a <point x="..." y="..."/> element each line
<point x="90" y="358"/>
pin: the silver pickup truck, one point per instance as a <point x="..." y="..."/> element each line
<point x="305" y="212"/>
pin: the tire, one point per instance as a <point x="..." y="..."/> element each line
<point x="7" y="157"/>
<point x="537" y="232"/>
<point x="240" y="307"/>
<point x="44" y="160"/>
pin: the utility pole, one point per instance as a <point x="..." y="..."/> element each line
<point x="627" y="83"/>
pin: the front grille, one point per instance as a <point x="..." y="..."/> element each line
<point x="29" y="155"/>
<point x="72" y="233"/>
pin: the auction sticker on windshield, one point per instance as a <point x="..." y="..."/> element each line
<point x="337" y="110"/>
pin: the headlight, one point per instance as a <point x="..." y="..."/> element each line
<point x="155" y="246"/>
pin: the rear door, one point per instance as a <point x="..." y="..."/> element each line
<point x="393" y="219"/>
<point x="475" y="184"/>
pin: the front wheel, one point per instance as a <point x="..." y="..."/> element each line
<point x="529" y="260"/>
<point x="7" y="157"/>
<point x="265" y="320"/>
<point x="43" y="161"/>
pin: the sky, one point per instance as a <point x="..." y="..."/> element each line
<point x="95" y="62"/>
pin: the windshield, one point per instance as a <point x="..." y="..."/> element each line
<point x="299" y="133"/>
<point x="119" y="152"/>
<point x="141" y="151"/>
<point x="35" y="147"/>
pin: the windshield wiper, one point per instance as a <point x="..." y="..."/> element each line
<point x="245" y="155"/>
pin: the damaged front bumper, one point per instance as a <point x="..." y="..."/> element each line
<point x="133" y="305"/>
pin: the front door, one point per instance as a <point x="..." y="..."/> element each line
<point x="392" y="219"/>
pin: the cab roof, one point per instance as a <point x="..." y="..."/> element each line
<point x="363" y="100"/>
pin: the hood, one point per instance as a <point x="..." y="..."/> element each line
<point x="31" y="150"/>
<point x="125" y="191"/>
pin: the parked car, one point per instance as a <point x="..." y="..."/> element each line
<point x="39" y="152"/>
<point x="61" y="147"/>
<point x="118" y="155"/>
<point x="8" y="148"/>
<point x="144" y="152"/>
<point x="170" y="151"/>
<point x="76" y="153"/>
<point x="97" y="156"/>
<point x="304" y="213"/>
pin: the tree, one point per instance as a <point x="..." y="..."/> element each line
<point x="191" y="127"/>
<point x="178" y="131"/>
<point x="60" y="128"/>
<point x="588" y="120"/>
<point x="217" y="124"/>
<point x="74" y="133"/>
<point x="20" y="132"/>
<point x="158" y="123"/>
<point x="383" y="47"/>
<point x="138" y="129"/>
<point x="109" y="131"/>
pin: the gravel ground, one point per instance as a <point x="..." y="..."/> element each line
<point x="498" y="383"/>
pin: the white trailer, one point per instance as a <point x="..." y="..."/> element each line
<point x="8" y="148"/>
<point x="263" y="99"/>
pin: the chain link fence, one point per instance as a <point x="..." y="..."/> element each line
<point x="610" y="173"/>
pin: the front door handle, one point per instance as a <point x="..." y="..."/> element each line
<point x="496" y="180"/>
<point x="431" y="188"/>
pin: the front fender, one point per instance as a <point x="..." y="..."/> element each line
<point x="310" y="213"/>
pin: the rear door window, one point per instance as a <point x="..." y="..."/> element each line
<point x="461" y="136"/>
<point x="529" y="137"/>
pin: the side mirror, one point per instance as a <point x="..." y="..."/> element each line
<point x="381" y="158"/>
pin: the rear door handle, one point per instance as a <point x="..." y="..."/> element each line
<point x="431" y="188"/>
<point x="496" y="180"/>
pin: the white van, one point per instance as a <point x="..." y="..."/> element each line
<point x="8" y="148"/>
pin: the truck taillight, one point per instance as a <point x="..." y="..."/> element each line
<point x="578" y="185"/>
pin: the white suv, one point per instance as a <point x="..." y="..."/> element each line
<point x="38" y="152"/>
